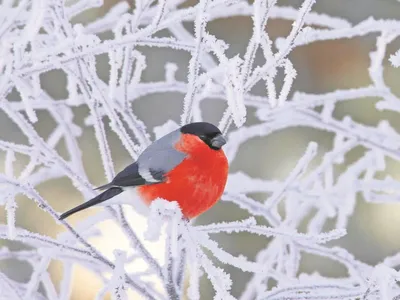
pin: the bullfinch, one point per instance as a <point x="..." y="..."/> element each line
<point x="186" y="165"/>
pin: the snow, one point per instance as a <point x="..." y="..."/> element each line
<point x="37" y="37"/>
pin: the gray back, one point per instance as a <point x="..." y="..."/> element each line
<point x="161" y="156"/>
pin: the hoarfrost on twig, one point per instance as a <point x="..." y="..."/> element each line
<point x="37" y="37"/>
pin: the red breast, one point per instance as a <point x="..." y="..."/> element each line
<point x="197" y="183"/>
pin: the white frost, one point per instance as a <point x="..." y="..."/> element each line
<point x="37" y="37"/>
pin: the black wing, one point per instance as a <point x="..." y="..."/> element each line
<point x="130" y="176"/>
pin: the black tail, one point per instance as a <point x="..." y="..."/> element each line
<point x="111" y="192"/>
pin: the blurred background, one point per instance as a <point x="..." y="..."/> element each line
<point x="321" y="67"/>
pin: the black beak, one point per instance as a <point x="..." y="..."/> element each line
<point x="218" y="141"/>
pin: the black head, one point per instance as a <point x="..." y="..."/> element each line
<point x="207" y="132"/>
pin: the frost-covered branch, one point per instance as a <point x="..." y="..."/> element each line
<point x="40" y="37"/>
